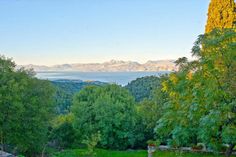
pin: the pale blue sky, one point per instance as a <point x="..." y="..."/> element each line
<point x="71" y="31"/>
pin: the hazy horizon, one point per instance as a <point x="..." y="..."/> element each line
<point x="99" y="62"/>
<point x="59" y="32"/>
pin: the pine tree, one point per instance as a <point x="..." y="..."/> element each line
<point x="221" y="14"/>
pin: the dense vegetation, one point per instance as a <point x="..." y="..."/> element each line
<point x="193" y="107"/>
<point x="201" y="96"/>
<point x="65" y="90"/>
<point x="109" y="110"/>
<point x="221" y="14"/>
<point x="142" y="88"/>
<point x="26" y="106"/>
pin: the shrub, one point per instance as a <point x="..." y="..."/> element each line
<point x="91" y="143"/>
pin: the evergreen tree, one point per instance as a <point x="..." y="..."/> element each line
<point x="221" y="14"/>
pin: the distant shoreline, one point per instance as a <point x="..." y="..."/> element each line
<point x="121" y="78"/>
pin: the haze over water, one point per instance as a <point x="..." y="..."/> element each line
<point x="121" y="78"/>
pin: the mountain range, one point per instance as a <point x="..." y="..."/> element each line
<point x="110" y="66"/>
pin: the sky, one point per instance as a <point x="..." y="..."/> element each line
<point x="48" y="32"/>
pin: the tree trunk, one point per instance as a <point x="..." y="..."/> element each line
<point x="2" y="143"/>
<point x="229" y="150"/>
<point x="43" y="151"/>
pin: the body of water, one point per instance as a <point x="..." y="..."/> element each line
<point x="121" y="78"/>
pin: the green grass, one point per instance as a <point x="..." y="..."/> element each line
<point x="136" y="153"/>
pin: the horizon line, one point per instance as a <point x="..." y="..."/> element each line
<point x="117" y="60"/>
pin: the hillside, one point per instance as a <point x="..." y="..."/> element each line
<point x="110" y="66"/>
<point x="65" y="90"/>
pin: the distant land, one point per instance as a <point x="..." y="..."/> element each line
<point x="110" y="66"/>
<point x="121" y="78"/>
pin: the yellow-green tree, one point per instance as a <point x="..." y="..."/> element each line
<point x="221" y="14"/>
<point x="201" y="102"/>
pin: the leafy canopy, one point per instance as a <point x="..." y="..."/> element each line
<point x="109" y="109"/>
<point x="26" y="106"/>
<point x="142" y="88"/>
<point x="201" y="96"/>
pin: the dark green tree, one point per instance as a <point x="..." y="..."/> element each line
<point x="142" y="88"/>
<point x="65" y="90"/>
<point x="26" y="106"/>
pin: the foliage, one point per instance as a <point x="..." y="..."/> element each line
<point x="201" y="96"/>
<point x="148" y="114"/>
<point x="149" y="111"/>
<point x="63" y="133"/>
<point x="26" y="106"/>
<point x="221" y="14"/>
<point x="142" y="88"/>
<point x="91" y="143"/>
<point x="65" y="90"/>
<point x="109" y="109"/>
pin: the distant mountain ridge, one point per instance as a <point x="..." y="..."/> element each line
<point x="110" y="66"/>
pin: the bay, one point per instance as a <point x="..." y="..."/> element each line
<point x="121" y="78"/>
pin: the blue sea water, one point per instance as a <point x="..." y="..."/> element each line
<point x="121" y="78"/>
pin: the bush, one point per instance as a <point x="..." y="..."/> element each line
<point x="91" y="143"/>
<point x="63" y="133"/>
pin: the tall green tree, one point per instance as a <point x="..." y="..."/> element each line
<point x="26" y="106"/>
<point x="109" y="109"/>
<point x="221" y="14"/>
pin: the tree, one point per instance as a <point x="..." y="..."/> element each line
<point x="109" y="109"/>
<point x="181" y="62"/>
<point x="201" y="97"/>
<point x="221" y="14"/>
<point x="26" y="106"/>
<point x="142" y="88"/>
<point x="65" y="90"/>
<point x="149" y="113"/>
<point x="63" y="134"/>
